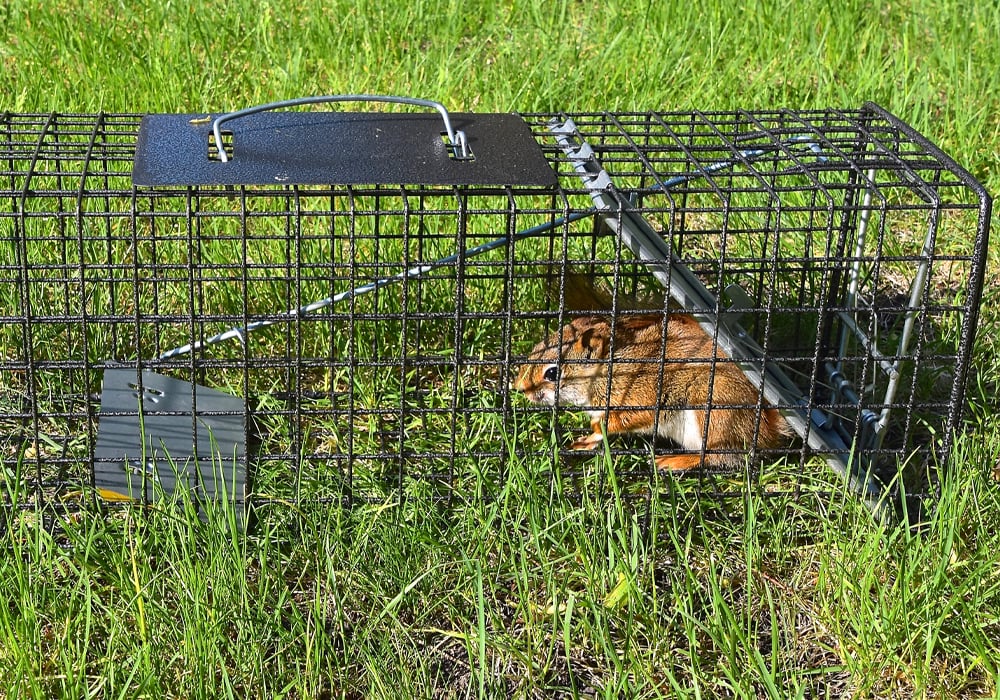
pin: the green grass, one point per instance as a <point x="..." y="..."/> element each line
<point x="529" y="593"/>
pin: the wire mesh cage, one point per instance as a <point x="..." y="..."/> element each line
<point x="337" y="307"/>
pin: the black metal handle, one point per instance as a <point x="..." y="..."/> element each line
<point x="457" y="139"/>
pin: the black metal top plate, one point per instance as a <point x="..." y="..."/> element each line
<point x="338" y="148"/>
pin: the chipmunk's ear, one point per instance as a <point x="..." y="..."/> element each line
<point x="593" y="343"/>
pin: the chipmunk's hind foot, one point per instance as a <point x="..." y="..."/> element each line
<point x="675" y="463"/>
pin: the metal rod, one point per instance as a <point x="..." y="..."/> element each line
<point x="745" y="155"/>
<point x="415" y="271"/>
<point x="418" y="270"/>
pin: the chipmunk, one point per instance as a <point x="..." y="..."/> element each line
<point x="578" y="361"/>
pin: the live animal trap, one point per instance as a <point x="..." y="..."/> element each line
<point x="323" y="306"/>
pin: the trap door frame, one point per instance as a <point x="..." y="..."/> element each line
<point x="874" y="425"/>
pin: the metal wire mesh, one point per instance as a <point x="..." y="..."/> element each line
<point x="849" y="248"/>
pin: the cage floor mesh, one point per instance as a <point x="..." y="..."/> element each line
<point x="835" y="256"/>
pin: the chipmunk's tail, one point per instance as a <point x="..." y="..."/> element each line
<point x="581" y="292"/>
<point x="577" y="291"/>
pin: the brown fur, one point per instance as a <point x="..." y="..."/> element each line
<point x="582" y="353"/>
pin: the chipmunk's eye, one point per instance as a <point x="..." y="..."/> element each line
<point x="551" y="373"/>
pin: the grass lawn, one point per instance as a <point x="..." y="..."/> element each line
<point x="530" y="593"/>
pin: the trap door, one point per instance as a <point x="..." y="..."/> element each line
<point x="159" y="437"/>
<point x="815" y="211"/>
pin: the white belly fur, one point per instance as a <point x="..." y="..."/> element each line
<point x="682" y="427"/>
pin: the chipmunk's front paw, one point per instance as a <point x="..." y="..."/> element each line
<point x="587" y="442"/>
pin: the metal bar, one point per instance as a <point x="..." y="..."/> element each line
<point x="419" y="270"/>
<point x="22" y="259"/>
<point x="415" y="271"/>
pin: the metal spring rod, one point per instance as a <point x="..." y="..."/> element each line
<point x="377" y="284"/>
<point x="805" y="140"/>
<point x="418" y="270"/>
